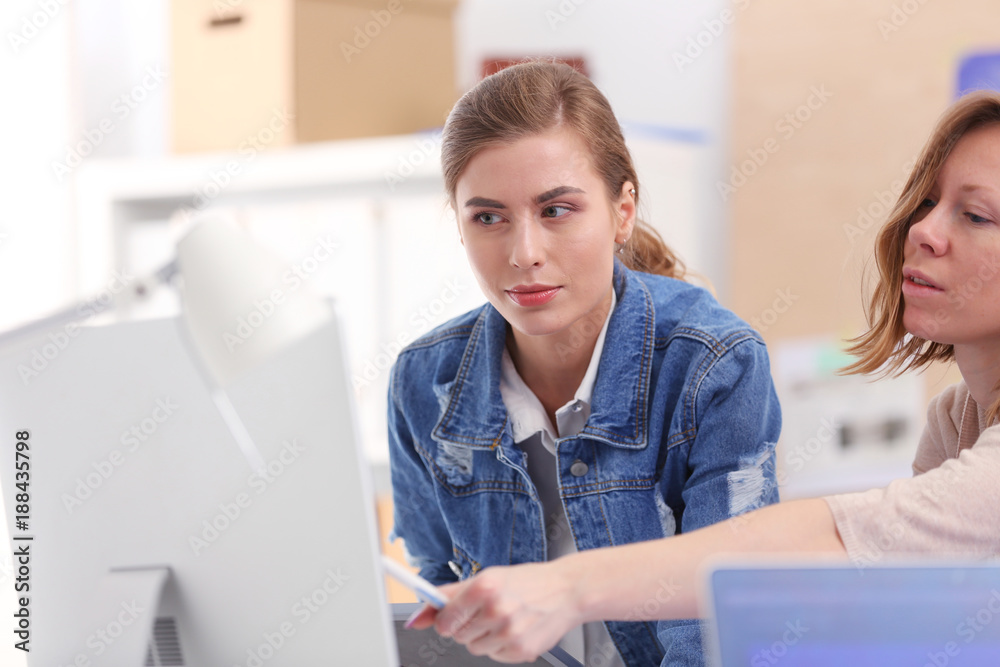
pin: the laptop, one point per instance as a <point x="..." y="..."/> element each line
<point x="924" y="615"/>
<point x="418" y="648"/>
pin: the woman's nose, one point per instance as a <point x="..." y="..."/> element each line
<point x="930" y="232"/>
<point x="528" y="245"/>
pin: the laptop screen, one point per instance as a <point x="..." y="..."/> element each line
<point x="812" y="616"/>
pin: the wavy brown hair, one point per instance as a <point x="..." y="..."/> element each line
<point x="886" y="348"/>
<point x="534" y="97"/>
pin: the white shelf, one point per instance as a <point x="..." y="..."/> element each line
<point x="402" y="269"/>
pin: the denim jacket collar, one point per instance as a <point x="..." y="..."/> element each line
<point x="473" y="414"/>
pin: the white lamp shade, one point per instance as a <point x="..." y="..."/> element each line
<point x="238" y="302"/>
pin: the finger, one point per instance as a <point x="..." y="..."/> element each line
<point x="505" y="641"/>
<point x="459" y="609"/>
<point x="514" y="655"/>
<point x="467" y="625"/>
<point x="505" y="647"/>
<point x="450" y="591"/>
<point x="422" y="618"/>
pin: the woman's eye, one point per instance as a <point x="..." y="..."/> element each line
<point x="976" y="218"/>
<point x="554" y="211"/>
<point x="927" y="203"/>
<point x="487" y="218"/>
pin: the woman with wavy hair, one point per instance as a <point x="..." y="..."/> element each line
<point x="597" y="399"/>
<point x="937" y="298"/>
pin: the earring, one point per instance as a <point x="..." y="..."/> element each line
<point x="632" y="192"/>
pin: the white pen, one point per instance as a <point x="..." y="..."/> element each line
<point x="425" y="590"/>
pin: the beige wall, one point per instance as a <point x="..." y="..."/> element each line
<point x="889" y="74"/>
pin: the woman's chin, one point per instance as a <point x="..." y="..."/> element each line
<point x="930" y="331"/>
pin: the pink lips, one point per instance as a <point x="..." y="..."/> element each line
<point x="532" y="295"/>
<point x="911" y="288"/>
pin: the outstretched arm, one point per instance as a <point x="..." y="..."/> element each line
<point x="513" y="614"/>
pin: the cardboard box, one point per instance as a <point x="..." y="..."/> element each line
<point x="267" y="73"/>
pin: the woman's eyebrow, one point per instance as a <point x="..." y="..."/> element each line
<point x="484" y="202"/>
<point x="558" y="192"/>
<point x="972" y="187"/>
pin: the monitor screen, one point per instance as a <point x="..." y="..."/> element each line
<point x="819" y="616"/>
<point x="146" y="529"/>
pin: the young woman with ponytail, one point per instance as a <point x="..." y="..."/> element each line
<point x="597" y="399"/>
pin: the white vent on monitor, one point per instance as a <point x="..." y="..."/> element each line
<point x="165" y="648"/>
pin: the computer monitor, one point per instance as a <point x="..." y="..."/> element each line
<point x="822" y="615"/>
<point x="143" y="518"/>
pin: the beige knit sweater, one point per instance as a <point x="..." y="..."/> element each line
<point x="952" y="504"/>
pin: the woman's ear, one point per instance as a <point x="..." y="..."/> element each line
<point x="458" y="223"/>
<point x="625" y="211"/>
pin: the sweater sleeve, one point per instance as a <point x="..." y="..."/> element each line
<point x="953" y="509"/>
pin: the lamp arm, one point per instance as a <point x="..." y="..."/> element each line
<point x="138" y="289"/>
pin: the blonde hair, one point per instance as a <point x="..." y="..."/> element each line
<point x="533" y="97"/>
<point x="886" y="347"/>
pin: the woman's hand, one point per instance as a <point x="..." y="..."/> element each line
<point x="511" y="614"/>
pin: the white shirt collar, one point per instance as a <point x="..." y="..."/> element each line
<point x="527" y="415"/>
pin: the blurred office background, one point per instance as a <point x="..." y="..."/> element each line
<point x="770" y="137"/>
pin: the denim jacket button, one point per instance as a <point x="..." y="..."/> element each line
<point x="456" y="568"/>
<point x="579" y="468"/>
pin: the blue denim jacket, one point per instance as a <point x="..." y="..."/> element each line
<point x="683" y="424"/>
